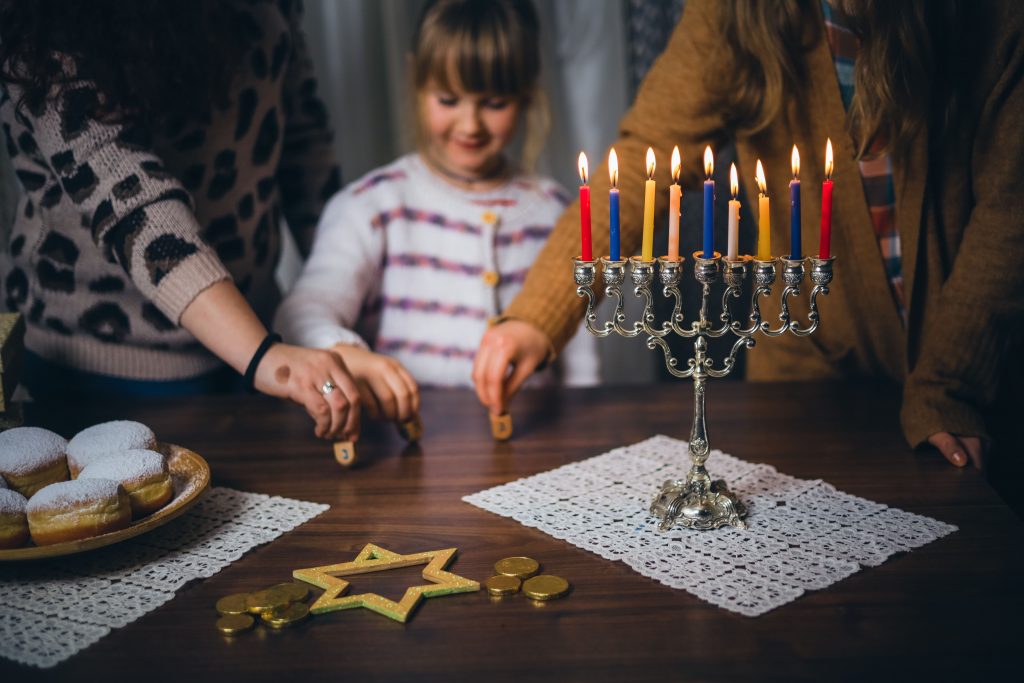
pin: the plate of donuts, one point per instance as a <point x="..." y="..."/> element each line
<point x="111" y="482"/>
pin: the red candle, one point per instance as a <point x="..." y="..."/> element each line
<point x="586" y="251"/>
<point x="826" y="204"/>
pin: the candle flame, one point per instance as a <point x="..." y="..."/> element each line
<point x="650" y="163"/>
<point x="762" y="185"/>
<point x="734" y="181"/>
<point x="613" y="167"/>
<point x="828" y="158"/>
<point x="676" y="164"/>
<point x="796" y="163"/>
<point x="583" y="168"/>
<point x="709" y="162"/>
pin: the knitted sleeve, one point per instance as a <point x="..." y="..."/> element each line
<point x="308" y="174"/>
<point x="966" y="351"/>
<point x="139" y="215"/>
<point x="324" y="305"/>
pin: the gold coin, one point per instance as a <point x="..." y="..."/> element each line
<point x="545" y="587"/>
<point x="519" y="567"/>
<point x="503" y="585"/>
<point x="233" y="624"/>
<point x="296" y="592"/>
<point x="282" y="617"/>
<point x="233" y="604"/>
<point x="266" y="600"/>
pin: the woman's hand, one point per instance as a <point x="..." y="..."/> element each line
<point x="959" y="449"/>
<point x="509" y="353"/>
<point x="387" y="389"/>
<point x="301" y="375"/>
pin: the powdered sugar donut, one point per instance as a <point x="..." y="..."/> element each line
<point x="81" y="508"/>
<point x="13" y="522"/>
<point x="105" y="439"/>
<point x="31" y="458"/>
<point x="142" y="473"/>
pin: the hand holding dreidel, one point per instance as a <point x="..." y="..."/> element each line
<point x="387" y="391"/>
<point x="510" y="351"/>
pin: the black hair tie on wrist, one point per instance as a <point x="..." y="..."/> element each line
<point x="261" y="350"/>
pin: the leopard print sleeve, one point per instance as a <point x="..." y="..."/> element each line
<point x="138" y="214"/>
<point x="308" y="174"/>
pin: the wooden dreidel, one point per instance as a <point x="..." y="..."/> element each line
<point x="345" y="453"/>
<point x="501" y="426"/>
<point x="411" y="430"/>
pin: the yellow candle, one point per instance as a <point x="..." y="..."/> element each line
<point x="764" y="221"/>
<point x="674" y="195"/>
<point x="732" y="253"/>
<point x="647" y="253"/>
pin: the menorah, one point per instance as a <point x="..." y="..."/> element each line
<point x="698" y="501"/>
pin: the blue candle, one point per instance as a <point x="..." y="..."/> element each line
<point x="613" y="206"/>
<point x="613" y="224"/>
<point x="795" y="249"/>
<point x="709" y="205"/>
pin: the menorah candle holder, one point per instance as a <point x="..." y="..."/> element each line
<point x="698" y="501"/>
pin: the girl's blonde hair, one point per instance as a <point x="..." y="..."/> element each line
<point x="484" y="46"/>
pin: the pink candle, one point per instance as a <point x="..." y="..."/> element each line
<point x="586" y="250"/>
<point x="825" y="250"/>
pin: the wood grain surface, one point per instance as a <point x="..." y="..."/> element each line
<point x="948" y="610"/>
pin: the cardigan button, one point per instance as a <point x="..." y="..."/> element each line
<point x="489" y="218"/>
<point x="491" y="278"/>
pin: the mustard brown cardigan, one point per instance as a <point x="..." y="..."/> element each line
<point x="958" y="211"/>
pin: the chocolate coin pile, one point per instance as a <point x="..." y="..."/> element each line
<point x="277" y="607"/>
<point x="515" y="573"/>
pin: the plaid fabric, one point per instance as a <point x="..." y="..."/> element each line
<point x="876" y="168"/>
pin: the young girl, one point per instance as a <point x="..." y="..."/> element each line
<point x="412" y="262"/>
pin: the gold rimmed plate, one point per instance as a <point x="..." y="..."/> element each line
<point x="190" y="475"/>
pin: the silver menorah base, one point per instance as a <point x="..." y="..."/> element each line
<point x="698" y="501"/>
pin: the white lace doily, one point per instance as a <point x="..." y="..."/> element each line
<point x="803" y="534"/>
<point x="52" y="609"/>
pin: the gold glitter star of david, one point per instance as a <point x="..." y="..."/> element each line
<point x="373" y="558"/>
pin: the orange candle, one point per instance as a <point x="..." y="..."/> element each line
<point x="764" y="219"/>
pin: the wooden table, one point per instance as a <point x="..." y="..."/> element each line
<point x="948" y="609"/>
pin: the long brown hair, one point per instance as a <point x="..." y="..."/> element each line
<point x="906" y="69"/>
<point x="486" y="46"/>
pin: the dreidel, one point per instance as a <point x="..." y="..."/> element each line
<point x="411" y="430"/>
<point x="501" y="426"/>
<point x="345" y="453"/>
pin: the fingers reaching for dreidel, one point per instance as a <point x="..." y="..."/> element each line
<point x="501" y="426"/>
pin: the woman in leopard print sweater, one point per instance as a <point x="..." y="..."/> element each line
<point x="158" y="145"/>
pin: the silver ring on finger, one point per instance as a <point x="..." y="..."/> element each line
<point x="327" y="387"/>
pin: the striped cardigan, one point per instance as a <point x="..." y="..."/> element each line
<point x="413" y="267"/>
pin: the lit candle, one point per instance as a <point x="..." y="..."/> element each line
<point x="709" y="204"/>
<point x="675" y="193"/>
<point x="649" y="187"/>
<point x="613" y="206"/>
<point x="795" y="248"/>
<point x="826" y="204"/>
<point x="586" y="252"/>
<point x="764" y="221"/>
<point x="734" y="215"/>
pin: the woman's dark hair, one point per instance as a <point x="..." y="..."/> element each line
<point x="153" y="58"/>
<point x="906" y="68"/>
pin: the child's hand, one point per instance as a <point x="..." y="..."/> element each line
<point x="509" y="353"/>
<point x="958" y="450"/>
<point x="387" y="389"/>
<point x="301" y="375"/>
